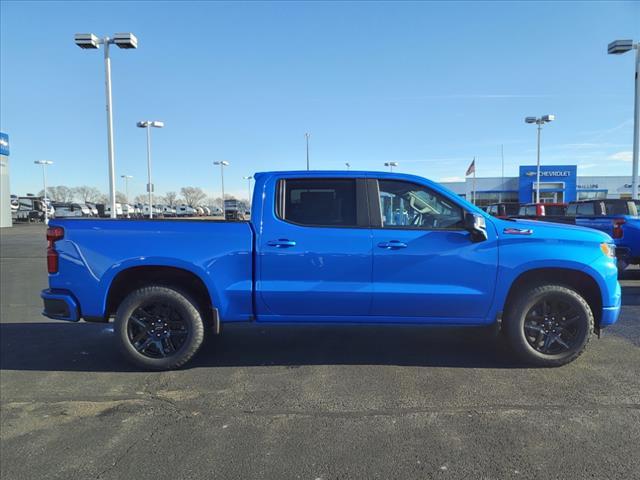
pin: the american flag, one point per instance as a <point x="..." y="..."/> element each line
<point x="471" y="169"/>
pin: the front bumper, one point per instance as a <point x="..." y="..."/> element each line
<point x="60" y="305"/>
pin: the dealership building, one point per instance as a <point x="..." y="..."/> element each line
<point x="558" y="183"/>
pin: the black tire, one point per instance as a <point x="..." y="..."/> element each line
<point x="159" y="328"/>
<point x="548" y="325"/>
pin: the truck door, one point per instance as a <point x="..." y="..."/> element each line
<point x="424" y="262"/>
<point x="314" y="250"/>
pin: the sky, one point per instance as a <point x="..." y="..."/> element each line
<point x="428" y="85"/>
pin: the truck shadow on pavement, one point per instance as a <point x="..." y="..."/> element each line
<point x="92" y="347"/>
<point x="61" y="346"/>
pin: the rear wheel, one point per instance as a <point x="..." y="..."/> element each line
<point x="159" y="328"/>
<point x="549" y="325"/>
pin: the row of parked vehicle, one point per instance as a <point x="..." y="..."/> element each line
<point x="32" y="209"/>
<point x="617" y="217"/>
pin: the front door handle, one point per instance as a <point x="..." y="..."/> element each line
<point x="281" y="243"/>
<point x="392" y="245"/>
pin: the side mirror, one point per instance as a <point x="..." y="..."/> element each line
<point x="477" y="226"/>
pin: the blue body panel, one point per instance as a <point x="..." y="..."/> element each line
<point x="332" y="274"/>
<point x="93" y="252"/>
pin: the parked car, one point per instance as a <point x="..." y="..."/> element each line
<point x="504" y="209"/>
<point x="548" y="212"/>
<point x="128" y="211"/>
<point x="30" y="209"/>
<point x="93" y="208"/>
<point x="335" y="247"/>
<point x="66" y="210"/>
<point x="616" y="217"/>
<point x="185" y="211"/>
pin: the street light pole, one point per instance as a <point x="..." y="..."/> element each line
<point x="616" y="48"/>
<point x="91" y="41"/>
<point x="539" y="121"/>
<point x="44" y="164"/>
<point x="538" y="165"/>
<point x="147" y="124"/>
<point x="391" y="165"/>
<point x="636" y="129"/>
<point x="112" y="167"/>
<point x="348" y="165"/>
<point x="248" y="179"/>
<point x="126" y="185"/>
<point x="222" y="163"/>
<point x="306" y="136"/>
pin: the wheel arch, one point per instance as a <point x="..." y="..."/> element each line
<point x="133" y="278"/>
<point x="581" y="282"/>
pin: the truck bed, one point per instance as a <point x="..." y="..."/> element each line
<point x="93" y="252"/>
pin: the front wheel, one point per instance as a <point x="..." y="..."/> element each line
<point x="159" y="328"/>
<point x="549" y="325"/>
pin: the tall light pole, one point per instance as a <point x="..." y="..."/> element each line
<point x="147" y="124"/>
<point x="222" y="163"/>
<point x="306" y="136"/>
<point x="616" y="48"/>
<point x="348" y="165"/>
<point x="126" y="185"/>
<point x="248" y="179"/>
<point x="91" y="41"/>
<point x="539" y="121"/>
<point x="44" y="164"/>
<point x="391" y="165"/>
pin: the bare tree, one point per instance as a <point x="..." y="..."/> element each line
<point x="141" y="198"/>
<point x="60" y="194"/>
<point x="85" y="194"/>
<point x="121" y="197"/>
<point x="193" y="195"/>
<point x="171" y="198"/>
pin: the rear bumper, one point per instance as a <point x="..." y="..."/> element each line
<point x="60" y="305"/>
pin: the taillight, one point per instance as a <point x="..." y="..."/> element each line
<point x="617" y="228"/>
<point x="53" y="235"/>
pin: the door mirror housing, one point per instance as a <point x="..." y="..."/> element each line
<point x="477" y="226"/>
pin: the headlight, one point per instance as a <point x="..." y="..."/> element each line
<point x="609" y="249"/>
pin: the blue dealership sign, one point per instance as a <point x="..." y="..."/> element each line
<point x="4" y="144"/>
<point x="553" y="178"/>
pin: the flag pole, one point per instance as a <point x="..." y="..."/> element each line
<point x="474" y="180"/>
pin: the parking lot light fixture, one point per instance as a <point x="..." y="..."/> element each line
<point x="306" y="137"/>
<point x="539" y="121"/>
<point x="126" y="185"/>
<point x="222" y="163"/>
<point x="44" y="164"/>
<point x="391" y="165"/>
<point x="348" y="165"/>
<point x="619" y="47"/>
<point x="248" y="179"/>
<point x="89" y="41"/>
<point x="147" y="124"/>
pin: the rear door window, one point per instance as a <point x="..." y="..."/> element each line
<point x="318" y="202"/>
<point x="585" y="209"/>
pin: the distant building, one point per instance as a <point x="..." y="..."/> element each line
<point x="558" y="183"/>
<point x="5" y="189"/>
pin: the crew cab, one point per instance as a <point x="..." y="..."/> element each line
<point x="616" y="217"/>
<point x="335" y="247"/>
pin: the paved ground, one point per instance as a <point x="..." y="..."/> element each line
<point x="329" y="403"/>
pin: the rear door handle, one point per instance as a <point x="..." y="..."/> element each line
<point x="392" y="245"/>
<point x="281" y="243"/>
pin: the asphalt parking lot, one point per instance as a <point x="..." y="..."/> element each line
<point x="308" y="403"/>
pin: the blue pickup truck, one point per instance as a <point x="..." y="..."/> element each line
<point x="335" y="247"/>
<point x="616" y="217"/>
